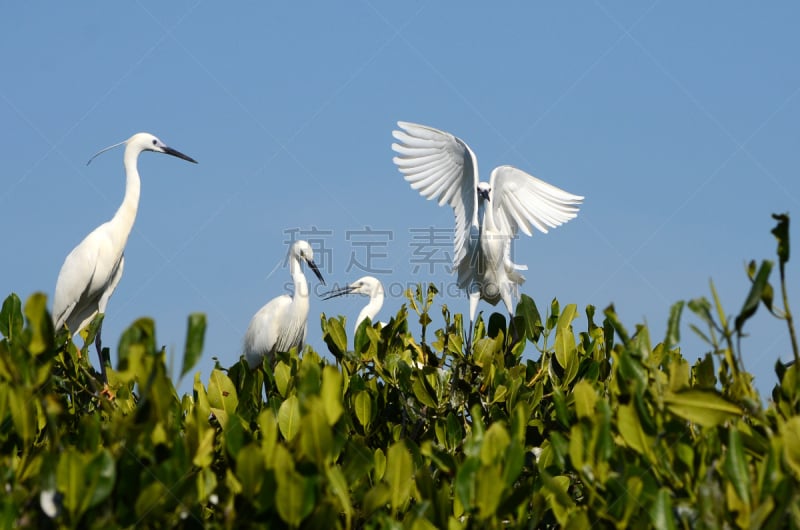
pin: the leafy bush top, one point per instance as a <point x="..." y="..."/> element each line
<point x="405" y="429"/>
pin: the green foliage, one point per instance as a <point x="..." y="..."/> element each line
<point x="542" y="425"/>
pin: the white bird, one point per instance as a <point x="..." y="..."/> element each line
<point x="487" y="215"/>
<point x="282" y="323"/>
<point x="92" y="270"/>
<point x="367" y="285"/>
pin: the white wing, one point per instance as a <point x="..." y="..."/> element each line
<point x="521" y="201"/>
<point x="73" y="294"/>
<point x="262" y="334"/>
<point x="442" y="167"/>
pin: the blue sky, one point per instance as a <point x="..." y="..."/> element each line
<point x="676" y="120"/>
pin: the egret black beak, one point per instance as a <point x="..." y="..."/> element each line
<point x="175" y="152"/>
<point x="484" y="194"/>
<point x="347" y="289"/>
<point x="313" y="267"/>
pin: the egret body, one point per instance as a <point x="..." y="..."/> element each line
<point x="282" y="323"/>
<point x="92" y="270"/>
<point x="488" y="215"/>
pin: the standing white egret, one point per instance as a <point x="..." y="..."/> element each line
<point x="367" y="285"/>
<point x="282" y="323"/>
<point x="487" y="215"/>
<point x="92" y="270"/>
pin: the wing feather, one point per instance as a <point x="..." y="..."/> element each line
<point x="521" y="202"/>
<point x="443" y="168"/>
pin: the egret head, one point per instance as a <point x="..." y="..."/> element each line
<point x="368" y="285"/>
<point x="483" y="191"/>
<point x="145" y="142"/>
<point x="148" y="142"/>
<point x="302" y="251"/>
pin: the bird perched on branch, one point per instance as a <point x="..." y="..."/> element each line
<point x="281" y="324"/>
<point x="93" y="269"/>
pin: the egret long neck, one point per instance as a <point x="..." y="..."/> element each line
<point x="300" y="283"/>
<point x="126" y="214"/>
<point x="485" y="218"/>
<point x="371" y="309"/>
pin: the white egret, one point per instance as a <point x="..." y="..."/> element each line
<point x="487" y="215"/>
<point x="367" y="285"/>
<point x="282" y="323"/>
<point x="92" y="270"/>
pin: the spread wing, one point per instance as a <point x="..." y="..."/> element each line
<point x="521" y="201"/>
<point x="441" y="167"/>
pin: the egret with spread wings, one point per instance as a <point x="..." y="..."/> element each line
<point x="488" y="215"/>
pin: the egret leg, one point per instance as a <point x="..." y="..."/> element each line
<point x="513" y="334"/>
<point x="98" y="344"/>
<point x="507" y="294"/>
<point x="474" y="297"/>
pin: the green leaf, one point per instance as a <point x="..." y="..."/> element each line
<point x="268" y="426"/>
<point x="704" y="407"/>
<point x="362" y="403"/>
<point x="338" y="486"/>
<point x="70" y="481"/>
<point x="495" y="442"/>
<point x="560" y="406"/>
<point x="316" y="438"/>
<point x="250" y="469"/>
<point x="151" y="501"/>
<point x="289" y="418"/>
<point x="736" y="466"/>
<point x="222" y="396"/>
<point x="781" y="233"/>
<point x="23" y="414"/>
<point x="40" y="324"/>
<point x="331" y="394"/>
<point x="673" y="337"/>
<point x="11" y="317"/>
<point x="791" y="444"/>
<point x="380" y="463"/>
<point x="488" y="490"/>
<point x="702" y="308"/>
<point x="283" y="376"/>
<point x="195" y="336"/>
<point x="361" y="340"/>
<point x="585" y="399"/>
<point x="630" y="428"/>
<point x="526" y="308"/>
<point x="421" y="392"/>
<point x="577" y="448"/>
<point x="103" y="471"/>
<point x="464" y="484"/>
<point x="204" y="455"/>
<point x="336" y="338"/>
<point x="556" y="494"/>
<point x="399" y="475"/>
<point x="294" y="496"/>
<point x="616" y="325"/>
<point x="755" y="295"/>
<point x="565" y="339"/>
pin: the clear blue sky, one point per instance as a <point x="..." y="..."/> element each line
<point x="677" y="121"/>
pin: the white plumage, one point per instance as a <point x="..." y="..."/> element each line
<point x="487" y="215"/>
<point x="369" y="286"/>
<point x="281" y="324"/>
<point x="92" y="270"/>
